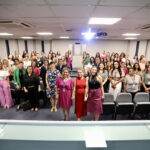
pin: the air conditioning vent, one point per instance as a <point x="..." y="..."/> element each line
<point x="26" y="25"/>
<point x="145" y="28"/>
<point x="6" y="22"/>
<point x="14" y="24"/>
<point x="69" y="30"/>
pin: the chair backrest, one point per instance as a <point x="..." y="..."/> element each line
<point x="108" y="97"/>
<point x="141" y="97"/>
<point x="124" y="98"/>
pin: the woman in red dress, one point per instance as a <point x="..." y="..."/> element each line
<point x="80" y="95"/>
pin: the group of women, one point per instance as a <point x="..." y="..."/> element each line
<point x="103" y="73"/>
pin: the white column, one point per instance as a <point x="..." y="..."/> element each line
<point x="13" y="46"/>
<point x="38" y="46"/>
<point x="142" y="48"/>
<point x="47" y="46"/>
<point x="148" y="51"/>
<point x="132" y="48"/>
<point x="3" y="51"/>
<point x="21" y="46"/>
<point x="30" y="46"/>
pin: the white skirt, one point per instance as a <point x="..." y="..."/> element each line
<point x="115" y="91"/>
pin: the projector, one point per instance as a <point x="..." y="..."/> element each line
<point x="101" y="34"/>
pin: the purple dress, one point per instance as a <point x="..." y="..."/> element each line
<point x="65" y="92"/>
<point x="94" y="101"/>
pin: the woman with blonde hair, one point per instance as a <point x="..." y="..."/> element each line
<point x="6" y="64"/>
<point x="64" y="92"/>
<point x="5" y="94"/>
<point x="80" y="90"/>
<point x="95" y="94"/>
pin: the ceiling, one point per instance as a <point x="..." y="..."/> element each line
<point x="57" y="16"/>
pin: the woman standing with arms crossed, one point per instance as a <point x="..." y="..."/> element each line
<point x="95" y="94"/>
<point x="80" y="90"/>
<point x="64" y="92"/>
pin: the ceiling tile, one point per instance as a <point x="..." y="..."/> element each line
<point x="72" y="11"/>
<point x="125" y="2"/>
<point x="108" y="11"/>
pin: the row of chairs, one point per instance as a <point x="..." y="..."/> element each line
<point x="125" y="105"/>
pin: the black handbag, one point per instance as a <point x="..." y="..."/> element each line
<point x="26" y="105"/>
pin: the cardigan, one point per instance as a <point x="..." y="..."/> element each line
<point x="16" y="76"/>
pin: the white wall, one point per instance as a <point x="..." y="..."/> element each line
<point x="107" y="45"/>
<point x="92" y="47"/>
<point x="61" y="45"/>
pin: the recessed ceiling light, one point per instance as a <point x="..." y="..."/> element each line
<point x="130" y="38"/>
<point x="44" y="33"/>
<point x="104" y="21"/>
<point x="64" y="37"/>
<point x="5" y="34"/>
<point x="130" y="34"/>
<point x="27" y="37"/>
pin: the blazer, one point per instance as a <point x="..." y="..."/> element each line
<point x="16" y="76"/>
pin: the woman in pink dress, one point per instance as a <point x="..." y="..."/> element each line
<point x="5" y="94"/>
<point x="64" y="92"/>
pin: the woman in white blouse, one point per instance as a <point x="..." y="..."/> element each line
<point x="27" y="61"/>
<point x="5" y="94"/>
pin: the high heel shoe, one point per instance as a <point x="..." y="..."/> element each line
<point x="18" y="108"/>
<point x="64" y="118"/>
<point x="55" y="109"/>
<point x="36" y="109"/>
<point x="52" y="109"/>
<point x="32" y="109"/>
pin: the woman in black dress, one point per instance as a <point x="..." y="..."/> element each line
<point x="31" y="87"/>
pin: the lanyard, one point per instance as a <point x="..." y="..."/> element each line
<point x="63" y="86"/>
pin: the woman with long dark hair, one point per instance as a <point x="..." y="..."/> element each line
<point x="116" y="76"/>
<point x="137" y="69"/>
<point x="31" y="86"/>
<point x="146" y="80"/>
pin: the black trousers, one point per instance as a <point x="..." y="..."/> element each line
<point x="32" y="96"/>
<point x="18" y="96"/>
<point x="133" y="94"/>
